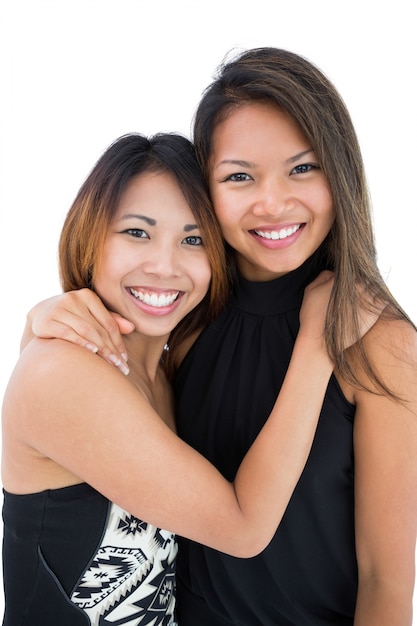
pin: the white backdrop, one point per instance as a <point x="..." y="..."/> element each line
<point x="76" y="74"/>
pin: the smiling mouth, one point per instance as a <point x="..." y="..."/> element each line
<point x="283" y="233"/>
<point x="151" y="298"/>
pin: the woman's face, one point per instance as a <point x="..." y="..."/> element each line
<point x="270" y="195"/>
<point x="154" y="268"/>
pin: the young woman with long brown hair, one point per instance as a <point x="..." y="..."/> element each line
<point x="287" y="182"/>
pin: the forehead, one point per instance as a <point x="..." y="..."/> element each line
<point x="257" y="126"/>
<point x="156" y="192"/>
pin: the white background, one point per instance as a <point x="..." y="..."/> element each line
<point x="76" y="74"/>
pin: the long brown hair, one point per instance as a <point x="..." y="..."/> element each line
<point x="293" y="84"/>
<point x="88" y="220"/>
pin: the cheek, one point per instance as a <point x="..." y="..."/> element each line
<point x="323" y="202"/>
<point x="102" y="281"/>
<point x="202" y="275"/>
<point x="227" y="218"/>
<point x="223" y="207"/>
<point x="330" y="214"/>
<point x="107" y="270"/>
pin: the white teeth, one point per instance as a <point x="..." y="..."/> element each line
<point x="155" y="299"/>
<point x="278" y="234"/>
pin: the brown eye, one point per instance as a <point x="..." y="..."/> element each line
<point x="303" y="168"/>
<point x="238" y="177"/>
<point x="138" y="233"/>
<point x="193" y="240"/>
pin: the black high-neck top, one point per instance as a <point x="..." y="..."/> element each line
<point x="225" y="390"/>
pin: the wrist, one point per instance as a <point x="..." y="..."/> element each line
<point x="312" y="349"/>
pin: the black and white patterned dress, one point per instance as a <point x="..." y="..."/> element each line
<point x="72" y="557"/>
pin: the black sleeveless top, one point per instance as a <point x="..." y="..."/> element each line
<point x="225" y="390"/>
<point x="72" y="558"/>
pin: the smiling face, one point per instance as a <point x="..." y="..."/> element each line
<point x="154" y="267"/>
<point x="270" y="195"/>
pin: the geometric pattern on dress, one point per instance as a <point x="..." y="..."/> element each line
<point x="130" y="580"/>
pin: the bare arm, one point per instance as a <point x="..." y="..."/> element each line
<point x="109" y="436"/>
<point x="65" y="404"/>
<point x="385" y="441"/>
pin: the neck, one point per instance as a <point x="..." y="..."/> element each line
<point x="145" y="353"/>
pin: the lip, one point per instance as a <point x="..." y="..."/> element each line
<point x="155" y="301"/>
<point x="279" y="236"/>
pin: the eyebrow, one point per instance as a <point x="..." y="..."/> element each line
<point x="148" y="220"/>
<point x="249" y="164"/>
<point x="235" y="162"/>
<point x="299" y="156"/>
<point x="152" y="222"/>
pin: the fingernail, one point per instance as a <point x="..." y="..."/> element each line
<point x="123" y="368"/>
<point x="92" y="347"/>
<point x="119" y="363"/>
<point x="124" y="356"/>
<point x="114" y="359"/>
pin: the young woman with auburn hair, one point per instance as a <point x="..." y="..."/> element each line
<point x="92" y="468"/>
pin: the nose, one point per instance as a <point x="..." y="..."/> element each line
<point x="274" y="197"/>
<point x="162" y="260"/>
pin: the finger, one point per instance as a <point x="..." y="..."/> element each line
<point x="80" y="317"/>
<point x="103" y="337"/>
<point x="90" y="333"/>
<point x="97" y="325"/>
<point x="124" y="327"/>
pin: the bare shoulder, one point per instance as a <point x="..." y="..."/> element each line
<point x="66" y="411"/>
<point x="48" y="362"/>
<point x="391" y="335"/>
<point x="45" y="371"/>
<point x="392" y="349"/>
<point x="49" y="381"/>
